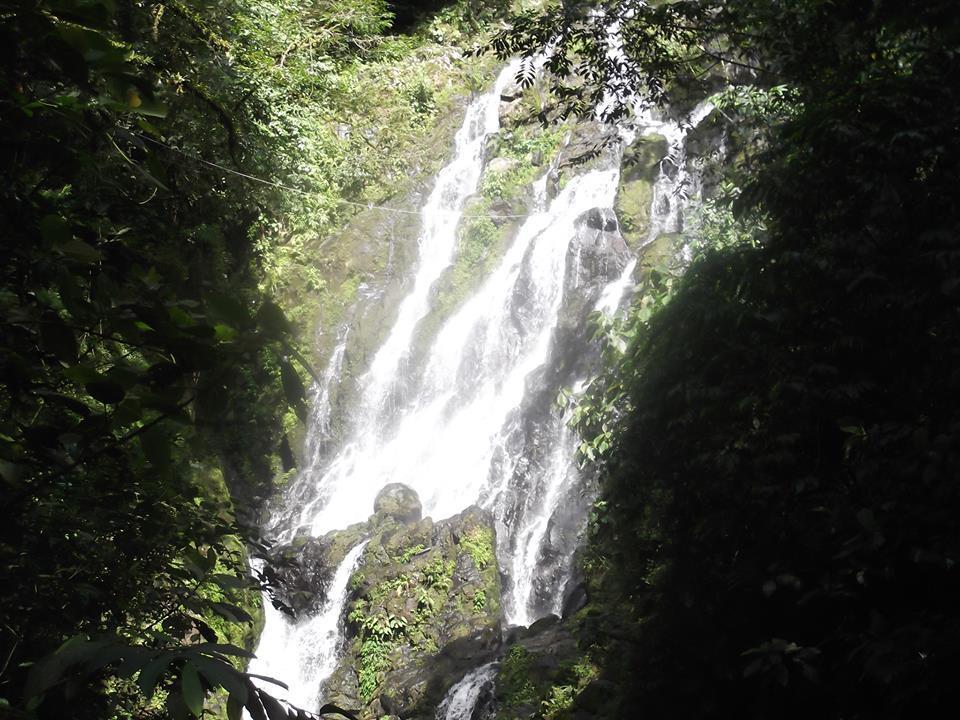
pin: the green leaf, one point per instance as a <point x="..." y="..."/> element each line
<point x="58" y="339"/>
<point x="273" y="323"/>
<point x="230" y="309"/>
<point x="235" y="706"/>
<point x="331" y="709"/>
<point x="156" y="448"/>
<point x="293" y="389"/>
<point x="127" y="412"/>
<point x="10" y="472"/>
<point x="269" y="680"/>
<point x="52" y="669"/>
<point x="253" y="704"/>
<point x="231" y="612"/>
<point x="195" y="563"/>
<point x="866" y="519"/>
<point x="275" y="710"/>
<point x="192" y="689"/>
<point x="181" y="317"/>
<point x="150" y="108"/>
<point x="224" y="333"/>
<point x="80" y="251"/>
<point x="225" y="675"/>
<point x="81" y="374"/>
<point x="55" y="230"/>
<point x="226" y="650"/>
<point x="232" y="582"/>
<point x="150" y="674"/>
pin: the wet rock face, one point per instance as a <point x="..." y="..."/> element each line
<point x="598" y="254"/>
<point x="305" y="575"/>
<point x="306" y="566"/>
<point x="599" y="219"/>
<point x="399" y="502"/>
<point x="639" y="171"/>
<point x="424" y="609"/>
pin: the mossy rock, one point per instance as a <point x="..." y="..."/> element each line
<point x="589" y="145"/>
<point x="424" y="608"/>
<point x="664" y="254"/>
<point x="640" y="169"/>
<point x="400" y="502"/>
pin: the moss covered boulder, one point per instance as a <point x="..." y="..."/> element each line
<point x="424" y="609"/>
<point x="398" y="501"/>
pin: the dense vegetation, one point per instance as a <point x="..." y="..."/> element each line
<point x="777" y="428"/>
<point x="777" y="534"/>
<point x="168" y="166"/>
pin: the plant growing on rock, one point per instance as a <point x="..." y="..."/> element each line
<point x="479" y="545"/>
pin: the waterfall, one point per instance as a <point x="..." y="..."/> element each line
<point x="530" y="538"/>
<point x="463" y="700"/>
<point x="318" y="427"/>
<point x="321" y="408"/>
<point x="304" y="653"/>
<point x="674" y="186"/>
<point x="440" y="217"/>
<point x="475" y="422"/>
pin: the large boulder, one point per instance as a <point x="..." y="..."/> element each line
<point x="399" y="502"/>
<point x="424" y="610"/>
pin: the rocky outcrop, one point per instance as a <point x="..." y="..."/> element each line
<point x="424" y="609"/>
<point x="639" y="171"/>
<point x="305" y="567"/>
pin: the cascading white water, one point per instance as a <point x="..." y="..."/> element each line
<point x="474" y="380"/>
<point x="304" y="653"/>
<point x="527" y="565"/>
<point x="560" y="471"/>
<point x="319" y="425"/>
<point x="462" y="698"/>
<point x="440" y="216"/>
<point x="460" y="439"/>
<point x="674" y="186"/>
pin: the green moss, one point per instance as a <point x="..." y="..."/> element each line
<point x="558" y="701"/>
<point x="479" y="545"/>
<point x="572" y="679"/>
<point x="486" y="229"/>
<point x="507" y="181"/>
<point x="382" y="616"/>
<point x="634" y="196"/>
<point x="438" y="574"/>
<point x="374" y="661"/>
<point x="480" y="245"/>
<point x="367" y="131"/>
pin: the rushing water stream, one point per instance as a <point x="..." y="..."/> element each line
<point x="469" y="425"/>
